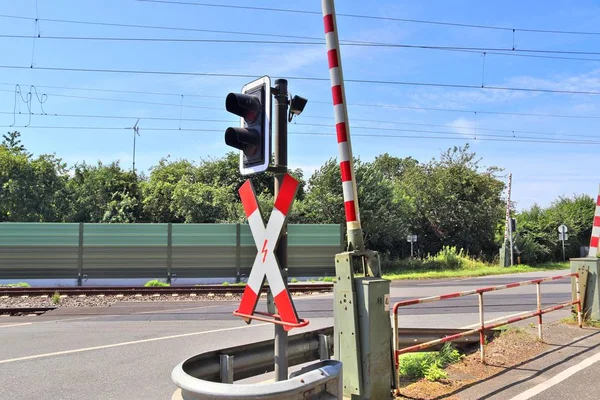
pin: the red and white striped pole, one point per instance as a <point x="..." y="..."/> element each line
<point x="355" y="234"/>
<point x="594" y="241"/>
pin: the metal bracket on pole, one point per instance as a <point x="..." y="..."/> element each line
<point x="324" y="345"/>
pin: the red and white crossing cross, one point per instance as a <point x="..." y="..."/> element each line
<point x="266" y="240"/>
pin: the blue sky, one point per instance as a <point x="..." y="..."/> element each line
<point x="541" y="171"/>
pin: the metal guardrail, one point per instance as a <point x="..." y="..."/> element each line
<point x="320" y="381"/>
<point x="211" y="375"/>
<point x="216" y="370"/>
<point x="482" y="323"/>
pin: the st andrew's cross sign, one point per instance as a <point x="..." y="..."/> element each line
<point x="266" y="264"/>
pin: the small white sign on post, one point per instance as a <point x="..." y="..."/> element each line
<point x="411" y="238"/>
<point x="563" y="229"/>
<point x="563" y="236"/>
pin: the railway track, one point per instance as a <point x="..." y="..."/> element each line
<point x="134" y="290"/>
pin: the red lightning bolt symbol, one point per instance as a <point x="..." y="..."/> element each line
<point x="264" y="250"/>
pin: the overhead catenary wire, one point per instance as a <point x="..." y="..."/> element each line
<point x="512" y="132"/>
<point x="375" y="17"/>
<point x="457" y="136"/>
<point x="316" y="42"/>
<point x="123" y="101"/>
<point x="373" y="105"/>
<point x="514" y="52"/>
<point x="305" y="78"/>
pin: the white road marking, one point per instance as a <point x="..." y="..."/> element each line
<point x="108" y="346"/>
<point x="176" y="309"/>
<point x="21" y="324"/>
<point x="558" y="378"/>
<point x="496" y="319"/>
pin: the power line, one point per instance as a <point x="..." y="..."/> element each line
<point x="512" y="52"/>
<point x="474" y="130"/>
<point x="389" y="106"/>
<point x="518" y="140"/>
<point x="158" y="27"/>
<point x="364" y="81"/>
<point x="373" y="17"/>
<point x="116" y="91"/>
<point x="467" y="111"/>
<point x="319" y="42"/>
<point x="124" y="101"/>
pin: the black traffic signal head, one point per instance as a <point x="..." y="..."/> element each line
<point x="253" y="136"/>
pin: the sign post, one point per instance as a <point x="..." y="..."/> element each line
<point x="271" y="241"/>
<point x="562" y="236"/>
<point x="412" y="239"/>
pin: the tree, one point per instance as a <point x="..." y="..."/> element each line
<point x="157" y="192"/>
<point x="537" y="234"/>
<point x="31" y="190"/>
<point x="453" y="202"/>
<point x="99" y="191"/>
<point x="12" y="142"/>
<point x="382" y="220"/>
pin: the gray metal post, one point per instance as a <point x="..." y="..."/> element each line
<point x="80" y="256"/>
<point x="281" y="161"/>
<point x="238" y="252"/>
<point x="169" y="252"/>
<point x="563" y="246"/>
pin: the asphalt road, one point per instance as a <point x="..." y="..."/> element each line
<point x="128" y="351"/>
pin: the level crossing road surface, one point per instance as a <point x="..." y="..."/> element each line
<point x="128" y="350"/>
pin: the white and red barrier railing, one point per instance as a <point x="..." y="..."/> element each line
<point x="483" y="325"/>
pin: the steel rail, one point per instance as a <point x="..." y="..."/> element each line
<point x="133" y="290"/>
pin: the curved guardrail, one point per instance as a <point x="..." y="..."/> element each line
<point x="321" y="380"/>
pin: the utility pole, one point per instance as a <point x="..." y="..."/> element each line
<point x="136" y="132"/>
<point x="508" y="234"/>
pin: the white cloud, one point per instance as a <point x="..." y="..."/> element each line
<point x="464" y="126"/>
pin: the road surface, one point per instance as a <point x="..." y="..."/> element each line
<point x="127" y="351"/>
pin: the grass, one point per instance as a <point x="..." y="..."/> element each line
<point x="294" y="280"/>
<point x="453" y="263"/>
<point x="232" y="284"/>
<point x="17" y="285"/>
<point x="572" y="320"/>
<point x="156" y="283"/>
<point x="428" y="365"/>
<point x="55" y="298"/>
<point x="471" y="272"/>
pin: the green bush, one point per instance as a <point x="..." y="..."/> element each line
<point x="428" y="365"/>
<point x="435" y="373"/>
<point x="294" y="280"/>
<point x="156" y="283"/>
<point x="56" y="298"/>
<point x="225" y="284"/>
<point x="449" y="258"/>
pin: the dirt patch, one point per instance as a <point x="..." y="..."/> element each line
<point x="506" y="350"/>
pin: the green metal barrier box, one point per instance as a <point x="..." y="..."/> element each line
<point x="591" y="297"/>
